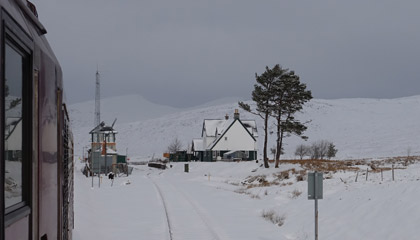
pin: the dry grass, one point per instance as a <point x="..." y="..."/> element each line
<point x="286" y="184"/>
<point x="296" y="193"/>
<point x="325" y="165"/>
<point x="273" y="217"/>
<point x="244" y="191"/>
<point x="285" y="175"/>
<point x="257" y="181"/>
<point x="328" y="166"/>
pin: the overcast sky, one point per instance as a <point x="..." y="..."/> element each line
<point x="186" y="52"/>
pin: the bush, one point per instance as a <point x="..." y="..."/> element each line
<point x="273" y="217"/>
<point x="296" y="193"/>
<point x="322" y="149"/>
<point x="302" y="150"/>
<point x="175" y="146"/>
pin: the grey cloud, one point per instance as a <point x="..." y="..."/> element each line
<point x="175" y="51"/>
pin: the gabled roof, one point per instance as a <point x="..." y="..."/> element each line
<point x="227" y="129"/>
<point x="210" y="126"/>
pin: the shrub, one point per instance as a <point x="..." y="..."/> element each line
<point x="322" y="149"/>
<point x="302" y="150"/>
<point x="296" y="193"/>
<point x="273" y="217"/>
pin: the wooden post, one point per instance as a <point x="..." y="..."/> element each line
<point x="357" y="174"/>
<point x="382" y="176"/>
<point x="392" y="172"/>
<point x="367" y="172"/>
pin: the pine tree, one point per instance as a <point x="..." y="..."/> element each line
<point x="289" y="97"/>
<point x="331" y="151"/>
<point x="263" y="96"/>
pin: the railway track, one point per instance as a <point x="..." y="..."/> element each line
<point x="165" y="208"/>
<point x="185" y="218"/>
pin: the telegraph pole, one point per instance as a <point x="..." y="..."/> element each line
<point x="97" y="100"/>
<point x="97" y="120"/>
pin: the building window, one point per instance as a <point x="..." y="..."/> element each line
<point x="17" y="126"/>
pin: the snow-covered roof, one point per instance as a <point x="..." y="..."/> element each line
<point x="210" y="127"/>
<point x="198" y="144"/>
<point x="226" y="126"/>
<point x="230" y="152"/>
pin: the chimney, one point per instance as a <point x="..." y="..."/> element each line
<point x="227" y="117"/>
<point x="236" y="115"/>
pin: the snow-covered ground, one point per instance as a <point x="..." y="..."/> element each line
<point x="228" y="200"/>
<point x="215" y="201"/>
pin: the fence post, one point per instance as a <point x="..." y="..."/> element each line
<point x="367" y="172"/>
<point x="392" y="172"/>
<point x="357" y="174"/>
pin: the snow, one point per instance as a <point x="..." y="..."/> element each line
<point x="359" y="128"/>
<point x="211" y="202"/>
<point x="213" y="126"/>
<point x="198" y="144"/>
<point x="225" y="200"/>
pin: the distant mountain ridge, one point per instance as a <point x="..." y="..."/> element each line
<point x="360" y="128"/>
<point x="128" y="108"/>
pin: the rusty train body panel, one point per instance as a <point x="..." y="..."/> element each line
<point x="36" y="144"/>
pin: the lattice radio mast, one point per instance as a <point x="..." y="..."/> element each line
<point x="97" y="100"/>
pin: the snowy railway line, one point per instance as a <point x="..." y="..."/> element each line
<point x="190" y="209"/>
<point x="164" y="206"/>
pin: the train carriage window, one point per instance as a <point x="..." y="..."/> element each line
<point x="16" y="160"/>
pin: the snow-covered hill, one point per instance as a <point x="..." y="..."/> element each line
<point x="128" y="108"/>
<point x="360" y="128"/>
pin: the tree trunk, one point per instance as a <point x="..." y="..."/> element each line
<point x="280" y="135"/>
<point x="278" y="147"/>
<point x="265" y="140"/>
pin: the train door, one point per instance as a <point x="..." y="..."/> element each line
<point x="15" y="131"/>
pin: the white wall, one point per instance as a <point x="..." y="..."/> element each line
<point x="237" y="138"/>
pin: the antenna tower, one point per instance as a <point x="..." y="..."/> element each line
<point x="97" y="100"/>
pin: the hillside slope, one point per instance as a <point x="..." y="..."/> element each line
<point x="360" y="128"/>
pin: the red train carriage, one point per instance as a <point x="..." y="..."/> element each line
<point x="36" y="146"/>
